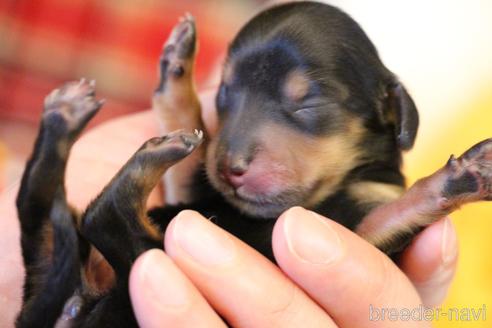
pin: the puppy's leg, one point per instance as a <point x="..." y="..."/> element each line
<point x="176" y="104"/>
<point x="116" y="222"/>
<point x="462" y="180"/>
<point x="48" y="236"/>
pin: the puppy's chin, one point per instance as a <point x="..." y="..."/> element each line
<point x="263" y="206"/>
<point x="256" y="210"/>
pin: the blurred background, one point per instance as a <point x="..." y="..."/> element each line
<point x="117" y="42"/>
<point x="442" y="51"/>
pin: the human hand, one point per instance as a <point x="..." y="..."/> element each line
<point x="327" y="276"/>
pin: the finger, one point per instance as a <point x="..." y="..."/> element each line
<point x="163" y="297"/>
<point x="348" y="277"/>
<point x="242" y="285"/>
<point x="430" y="261"/>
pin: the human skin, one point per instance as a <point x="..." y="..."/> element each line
<point x="328" y="281"/>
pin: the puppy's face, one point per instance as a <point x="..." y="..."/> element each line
<point x="293" y="123"/>
<point x="282" y="140"/>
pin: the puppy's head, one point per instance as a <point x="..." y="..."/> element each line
<point x="304" y="100"/>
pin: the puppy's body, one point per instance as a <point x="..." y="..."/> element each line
<point x="308" y="116"/>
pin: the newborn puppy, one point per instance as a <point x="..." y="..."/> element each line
<point x="308" y="116"/>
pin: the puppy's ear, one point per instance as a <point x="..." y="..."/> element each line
<point x="402" y="111"/>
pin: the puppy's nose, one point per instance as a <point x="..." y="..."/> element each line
<point x="232" y="170"/>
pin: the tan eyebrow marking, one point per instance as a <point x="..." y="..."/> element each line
<point x="296" y="85"/>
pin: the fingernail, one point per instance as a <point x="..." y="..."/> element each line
<point x="162" y="283"/>
<point x="310" y="237"/>
<point x="204" y="242"/>
<point x="449" y="243"/>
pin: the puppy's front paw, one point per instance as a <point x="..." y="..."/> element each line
<point x="178" y="53"/>
<point x="171" y="147"/>
<point x="67" y="110"/>
<point x="471" y="174"/>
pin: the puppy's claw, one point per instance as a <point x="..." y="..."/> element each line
<point x="452" y="162"/>
<point x="186" y="17"/>
<point x="198" y="133"/>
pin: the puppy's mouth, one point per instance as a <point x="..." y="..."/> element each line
<point x="261" y="205"/>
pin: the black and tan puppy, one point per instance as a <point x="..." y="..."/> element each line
<point x="308" y="116"/>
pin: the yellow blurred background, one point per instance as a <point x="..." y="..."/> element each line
<point x="472" y="286"/>
<point x="441" y="50"/>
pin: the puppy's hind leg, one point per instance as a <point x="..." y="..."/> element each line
<point x="462" y="180"/>
<point x="176" y="104"/>
<point x="48" y="235"/>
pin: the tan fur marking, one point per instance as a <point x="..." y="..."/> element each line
<point x="311" y="165"/>
<point x="151" y="229"/>
<point x="63" y="147"/>
<point x="46" y="252"/>
<point x="367" y="193"/>
<point x="145" y="181"/>
<point x="296" y="85"/>
<point x="341" y="154"/>
<point x="98" y="275"/>
<point x="178" y="107"/>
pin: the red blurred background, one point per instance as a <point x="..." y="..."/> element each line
<point x="44" y="43"/>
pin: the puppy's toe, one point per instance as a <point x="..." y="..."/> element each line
<point x="178" y="52"/>
<point x="69" y="108"/>
<point x="182" y="41"/>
